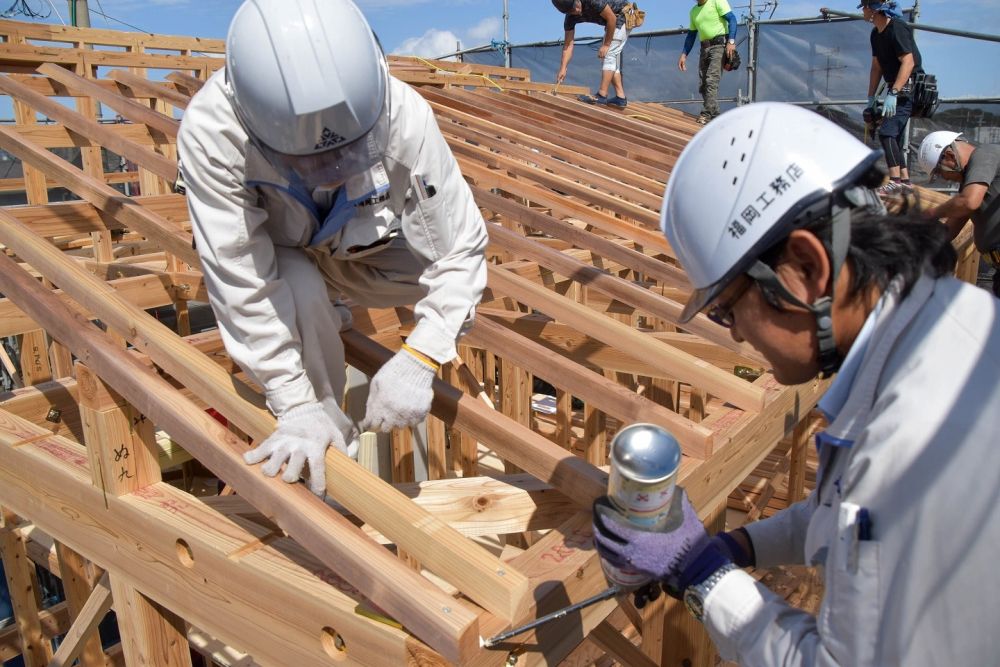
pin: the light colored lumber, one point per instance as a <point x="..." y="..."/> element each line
<point x="79" y="586"/>
<point x="169" y="235"/>
<point x="102" y="135"/>
<point x="672" y="361"/>
<point x="408" y="597"/>
<point x="130" y="109"/>
<point x="85" y="624"/>
<point x="589" y="386"/>
<point x="611" y="641"/>
<point x="150" y="88"/>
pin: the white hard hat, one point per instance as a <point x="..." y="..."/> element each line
<point x="745" y="181"/>
<point x="309" y="82"/>
<point x="932" y="146"/>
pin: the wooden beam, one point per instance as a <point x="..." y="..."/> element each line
<point x="609" y="396"/>
<point x="547" y="461"/>
<point x="185" y="80"/>
<point x="407" y="596"/>
<point x="612" y="642"/>
<point x="167" y="234"/>
<point x="144" y="87"/>
<point x="86" y="622"/>
<point x="672" y="361"/>
<point x="99" y="134"/>
<point x="130" y="109"/>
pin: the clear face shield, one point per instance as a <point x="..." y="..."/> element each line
<point x="334" y="166"/>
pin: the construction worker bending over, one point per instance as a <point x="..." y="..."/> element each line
<point x="312" y="174"/>
<point x="977" y="169"/>
<point x="607" y="13"/>
<point x="769" y="211"/>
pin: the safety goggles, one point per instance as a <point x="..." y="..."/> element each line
<point x="722" y="313"/>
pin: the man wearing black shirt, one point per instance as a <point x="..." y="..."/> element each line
<point x="607" y="13"/>
<point x="894" y="58"/>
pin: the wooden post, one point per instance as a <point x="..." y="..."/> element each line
<point x="685" y="641"/>
<point x="78" y="584"/>
<point x="123" y="459"/>
<point x="24" y="594"/>
<point x="800" y="442"/>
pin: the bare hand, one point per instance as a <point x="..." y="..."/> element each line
<point x="682" y="62"/>
<point x="561" y="76"/>
<point x="603" y="51"/>
<point x="729" y="50"/>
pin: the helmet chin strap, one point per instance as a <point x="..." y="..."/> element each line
<point x="830" y="358"/>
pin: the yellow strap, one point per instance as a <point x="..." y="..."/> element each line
<point x="438" y="69"/>
<point x="420" y="356"/>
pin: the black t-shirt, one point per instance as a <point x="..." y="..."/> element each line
<point x="591" y="13"/>
<point x="893" y="42"/>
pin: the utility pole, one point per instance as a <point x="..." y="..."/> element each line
<point x="506" y="33"/>
<point x="79" y="13"/>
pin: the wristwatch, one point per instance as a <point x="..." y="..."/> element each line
<point x="894" y="91"/>
<point x="694" y="596"/>
<point x="731" y="41"/>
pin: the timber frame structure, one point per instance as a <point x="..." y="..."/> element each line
<point x="583" y="293"/>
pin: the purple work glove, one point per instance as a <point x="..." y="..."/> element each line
<point x="660" y="554"/>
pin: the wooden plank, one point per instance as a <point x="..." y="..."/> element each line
<point x="100" y="134"/>
<point x="185" y="80"/>
<point x="133" y="111"/>
<point x="145" y="87"/>
<point x="672" y="361"/>
<point x="85" y="624"/>
<point x="589" y="386"/>
<point x="408" y="597"/>
<point x="151" y="634"/>
<point x="615" y="644"/>
<point x="167" y="234"/>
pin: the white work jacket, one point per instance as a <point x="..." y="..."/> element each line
<point x="905" y="518"/>
<point x="242" y="209"/>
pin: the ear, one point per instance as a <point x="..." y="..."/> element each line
<point x="805" y="268"/>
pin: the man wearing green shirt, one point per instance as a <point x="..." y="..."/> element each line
<point x="712" y="22"/>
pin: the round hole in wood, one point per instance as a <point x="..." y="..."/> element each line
<point x="333" y="644"/>
<point x="184" y="554"/>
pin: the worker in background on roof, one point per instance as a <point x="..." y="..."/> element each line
<point x="312" y="174"/>
<point x="712" y="22"/>
<point x="769" y="211"/>
<point x="895" y="59"/>
<point x="607" y="13"/>
<point x="977" y="170"/>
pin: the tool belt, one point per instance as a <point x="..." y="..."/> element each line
<point x="925" y="95"/>
<point x="715" y="41"/>
<point x="634" y="17"/>
<point x="993" y="257"/>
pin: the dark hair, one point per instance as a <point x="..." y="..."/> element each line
<point x="887" y="245"/>
<point x="564" y="6"/>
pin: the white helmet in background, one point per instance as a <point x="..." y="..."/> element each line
<point x="309" y="82"/>
<point x="746" y="181"/>
<point x="932" y="146"/>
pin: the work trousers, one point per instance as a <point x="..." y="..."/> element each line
<point x="709" y="75"/>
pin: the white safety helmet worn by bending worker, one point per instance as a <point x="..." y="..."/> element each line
<point x="931" y="148"/>
<point x="745" y="182"/>
<point x="309" y="82"/>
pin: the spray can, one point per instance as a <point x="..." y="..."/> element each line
<point x="644" y="463"/>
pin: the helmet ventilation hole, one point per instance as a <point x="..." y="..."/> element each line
<point x="732" y="141"/>
<point x="750" y="136"/>
<point x="725" y="163"/>
<point x="743" y="157"/>
<point x="735" y="179"/>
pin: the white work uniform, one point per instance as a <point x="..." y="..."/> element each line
<point x="420" y="242"/>
<point x="916" y="448"/>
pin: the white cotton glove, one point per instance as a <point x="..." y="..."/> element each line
<point x="400" y="393"/>
<point x="303" y="434"/>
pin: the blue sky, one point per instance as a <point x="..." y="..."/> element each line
<point x="433" y="27"/>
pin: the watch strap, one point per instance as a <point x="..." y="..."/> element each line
<point x="695" y="595"/>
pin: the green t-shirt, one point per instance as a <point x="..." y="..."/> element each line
<point x="707" y="19"/>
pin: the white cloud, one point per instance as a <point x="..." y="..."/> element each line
<point x="485" y="30"/>
<point x="432" y="44"/>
